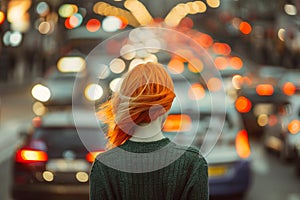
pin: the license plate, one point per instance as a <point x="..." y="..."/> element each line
<point x="214" y="171"/>
<point x="62" y="165"/>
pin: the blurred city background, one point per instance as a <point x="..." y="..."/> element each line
<point x="254" y="44"/>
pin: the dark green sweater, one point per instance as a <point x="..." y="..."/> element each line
<point x="149" y="170"/>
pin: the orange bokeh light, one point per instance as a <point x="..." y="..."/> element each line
<point x="186" y="23"/>
<point x="67" y="23"/>
<point x="243" y="105"/>
<point x="294" y="126"/>
<point x="245" y="28"/>
<point x="289" y="88"/>
<point x="93" y="25"/>
<point x="2" y="17"/>
<point x="204" y="40"/>
<point x="177" y="123"/>
<point x="196" y="91"/>
<point x="124" y="21"/>
<point x="176" y="66"/>
<point x="242" y="144"/>
<point x="195" y="65"/>
<point x="236" y="62"/>
<point x="264" y="89"/>
<point x="221" y="48"/>
<point x="91" y="156"/>
<point x="221" y="62"/>
<point x="214" y="84"/>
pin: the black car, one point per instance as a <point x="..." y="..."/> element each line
<point x="54" y="162"/>
<point x="261" y="98"/>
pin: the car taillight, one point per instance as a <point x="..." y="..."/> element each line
<point x="243" y="105"/>
<point x="242" y="144"/>
<point x="289" y="88"/>
<point x="177" y="123"/>
<point x="91" y="156"/>
<point x="264" y="89"/>
<point x="28" y="156"/>
<point x="294" y="126"/>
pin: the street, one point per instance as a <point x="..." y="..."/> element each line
<point x="272" y="179"/>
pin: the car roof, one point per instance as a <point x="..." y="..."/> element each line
<point x="66" y="119"/>
<point x="216" y="102"/>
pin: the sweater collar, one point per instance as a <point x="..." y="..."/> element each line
<point x="142" y="147"/>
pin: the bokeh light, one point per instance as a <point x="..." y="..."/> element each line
<point x="195" y="65"/>
<point x="214" y="84"/>
<point x="39" y="109"/>
<point x="196" y="91"/>
<point x="176" y="66"/>
<point x="281" y="34"/>
<point x="115" y="84"/>
<point x="93" y="92"/>
<point x="117" y="65"/>
<point x="111" y="24"/>
<point x="2" y="17"/>
<point x="135" y="62"/>
<point x="93" y="25"/>
<point x="262" y="120"/>
<point x="76" y="20"/>
<point x="245" y="28"/>
<point x="289" y="88"/>
<point x="221" y="62"/>
<point x="42" y="8"/>
<point x="67" y="10"/>
<point x="71" y="64"/>
<point x="243" y="105"/>
<point x="41" y="93"/>
<point x="213" y="3"/>
<point x="236" y="62"/>
<point x="15" y="38"/>
<point x="290" y="9"/>
<point x="44" y="28"/>
<point x="128" y="52"/>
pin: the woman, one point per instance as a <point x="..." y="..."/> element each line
<point x="141" y="163"/>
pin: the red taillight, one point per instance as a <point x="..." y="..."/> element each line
<point x="264" y="89"/>
<point x="243" y="105"/>
<point x="37" y="121"/>
<point x="272" y="120"/>
<point x="28" y="155"/>
<point x="91" y="156"/>
<point x="289" y="88"/>
<point x="177" y="123"/>
<point x="242" y="144"/>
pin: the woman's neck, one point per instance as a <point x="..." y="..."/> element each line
<point x="148" y="132"/>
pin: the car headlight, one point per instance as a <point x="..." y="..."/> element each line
<point x="41" y="92"/>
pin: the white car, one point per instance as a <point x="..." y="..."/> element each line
<point x="225" y="146"/>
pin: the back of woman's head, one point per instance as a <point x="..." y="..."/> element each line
<point x="146" y="92"/>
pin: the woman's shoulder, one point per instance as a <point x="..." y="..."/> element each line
<point x="189" y="151"/>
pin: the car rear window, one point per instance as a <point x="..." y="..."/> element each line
<point x="59" y="140"/>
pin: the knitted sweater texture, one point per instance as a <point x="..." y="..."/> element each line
<point x="149" y="170"/>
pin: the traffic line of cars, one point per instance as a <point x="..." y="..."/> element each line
<point x="53" y="161"/>
<point x="270" y="109"/>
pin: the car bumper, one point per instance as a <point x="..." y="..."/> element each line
<point x="235" y="181"/>
<point x="36" y="191"/>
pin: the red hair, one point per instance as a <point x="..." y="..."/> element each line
<point x="146" y="92"/>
